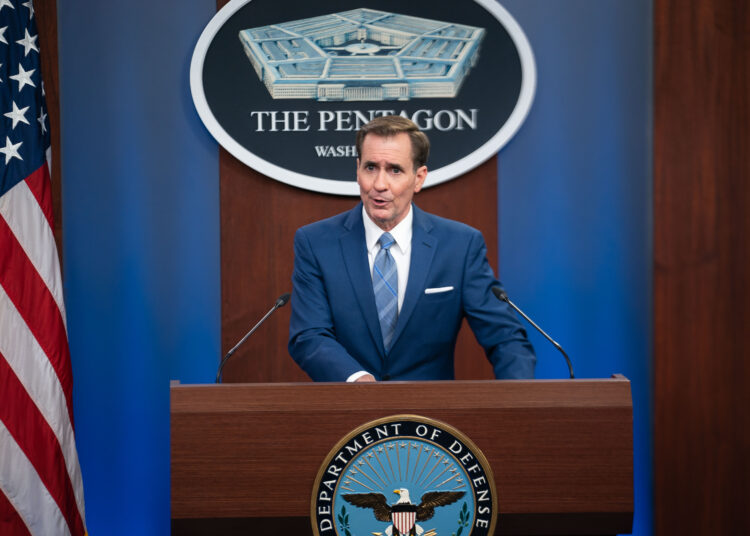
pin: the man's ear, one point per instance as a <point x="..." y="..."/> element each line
<point x="421" y="175"/>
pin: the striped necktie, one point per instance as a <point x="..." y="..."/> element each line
<point x="385" y="285"/>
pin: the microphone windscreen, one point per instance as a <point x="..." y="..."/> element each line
<point x="500" y="294"/>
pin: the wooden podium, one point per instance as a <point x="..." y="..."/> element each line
<point x="244" y="456"/>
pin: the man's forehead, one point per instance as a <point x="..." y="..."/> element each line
<point x="400" y="141"/>
<point x="401" y="137"/>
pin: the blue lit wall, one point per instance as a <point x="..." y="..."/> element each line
<point x="141" y="244"/>
<point x="575" y="200"/>
<point x="141" y="225"/>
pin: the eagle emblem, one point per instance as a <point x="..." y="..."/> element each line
<point x="404" y="475"/>
<point x="403" y="514"/>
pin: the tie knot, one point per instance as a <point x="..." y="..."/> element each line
<point x="386" y="241"/>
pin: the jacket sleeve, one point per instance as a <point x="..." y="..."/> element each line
<point x="494" y="323"/>
<point x="312" y="335"/>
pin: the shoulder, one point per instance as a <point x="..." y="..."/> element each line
<point x="334" y="224"/>
<point x="443" y="226"/>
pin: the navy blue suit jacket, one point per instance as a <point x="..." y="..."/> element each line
<point x="334" y="329"/>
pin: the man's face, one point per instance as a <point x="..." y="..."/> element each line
<point x="387" y="179"/>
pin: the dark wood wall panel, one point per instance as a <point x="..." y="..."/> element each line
<point x="702" y="267"/>
<point x="258" y="219"/>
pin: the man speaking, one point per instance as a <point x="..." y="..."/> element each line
<point x="379" y="292"/>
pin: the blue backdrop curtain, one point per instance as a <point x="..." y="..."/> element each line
<point x="575" y="201"/>
<point x="141" y="236"/>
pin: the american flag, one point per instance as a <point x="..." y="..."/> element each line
<point x="41" y="491"/>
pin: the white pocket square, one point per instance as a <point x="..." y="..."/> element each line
<point x="437" y="290"/>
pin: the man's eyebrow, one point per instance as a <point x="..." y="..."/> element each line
<point x="390" y="165"/>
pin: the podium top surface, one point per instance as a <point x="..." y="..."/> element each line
<point x="462" y="394"/>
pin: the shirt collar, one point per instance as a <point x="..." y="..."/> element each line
<point x="401" y="233"/>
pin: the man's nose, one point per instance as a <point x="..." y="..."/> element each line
<point x="381" y="182"/>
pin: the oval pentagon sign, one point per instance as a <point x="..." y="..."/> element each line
<point x="283" y="85"/>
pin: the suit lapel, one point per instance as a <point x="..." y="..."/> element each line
<point x="423" y="246"/>
<point x="354" y="252"/>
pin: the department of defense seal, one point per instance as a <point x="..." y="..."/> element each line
<point x="404" y="475"/>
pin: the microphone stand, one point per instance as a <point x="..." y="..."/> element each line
<point x="501" y="295"/>
<point x="281" y="302"/>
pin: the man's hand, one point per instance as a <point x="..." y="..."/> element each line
<point x="366" y="378"/>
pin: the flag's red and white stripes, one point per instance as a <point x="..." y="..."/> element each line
<point x="40" y="478"/>
<point x="404" y="521"/>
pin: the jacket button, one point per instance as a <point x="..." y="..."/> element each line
<point x="386" y="377"/>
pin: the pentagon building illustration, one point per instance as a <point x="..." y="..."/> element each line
<point x="362" y="55"/>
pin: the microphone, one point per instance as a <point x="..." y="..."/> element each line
<point x="280" y="302"/>
<point x="501" y="295"/>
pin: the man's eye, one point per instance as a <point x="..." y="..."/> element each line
<point x="396" y="170"/>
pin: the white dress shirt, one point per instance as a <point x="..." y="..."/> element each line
<point x="400" y="251"/>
